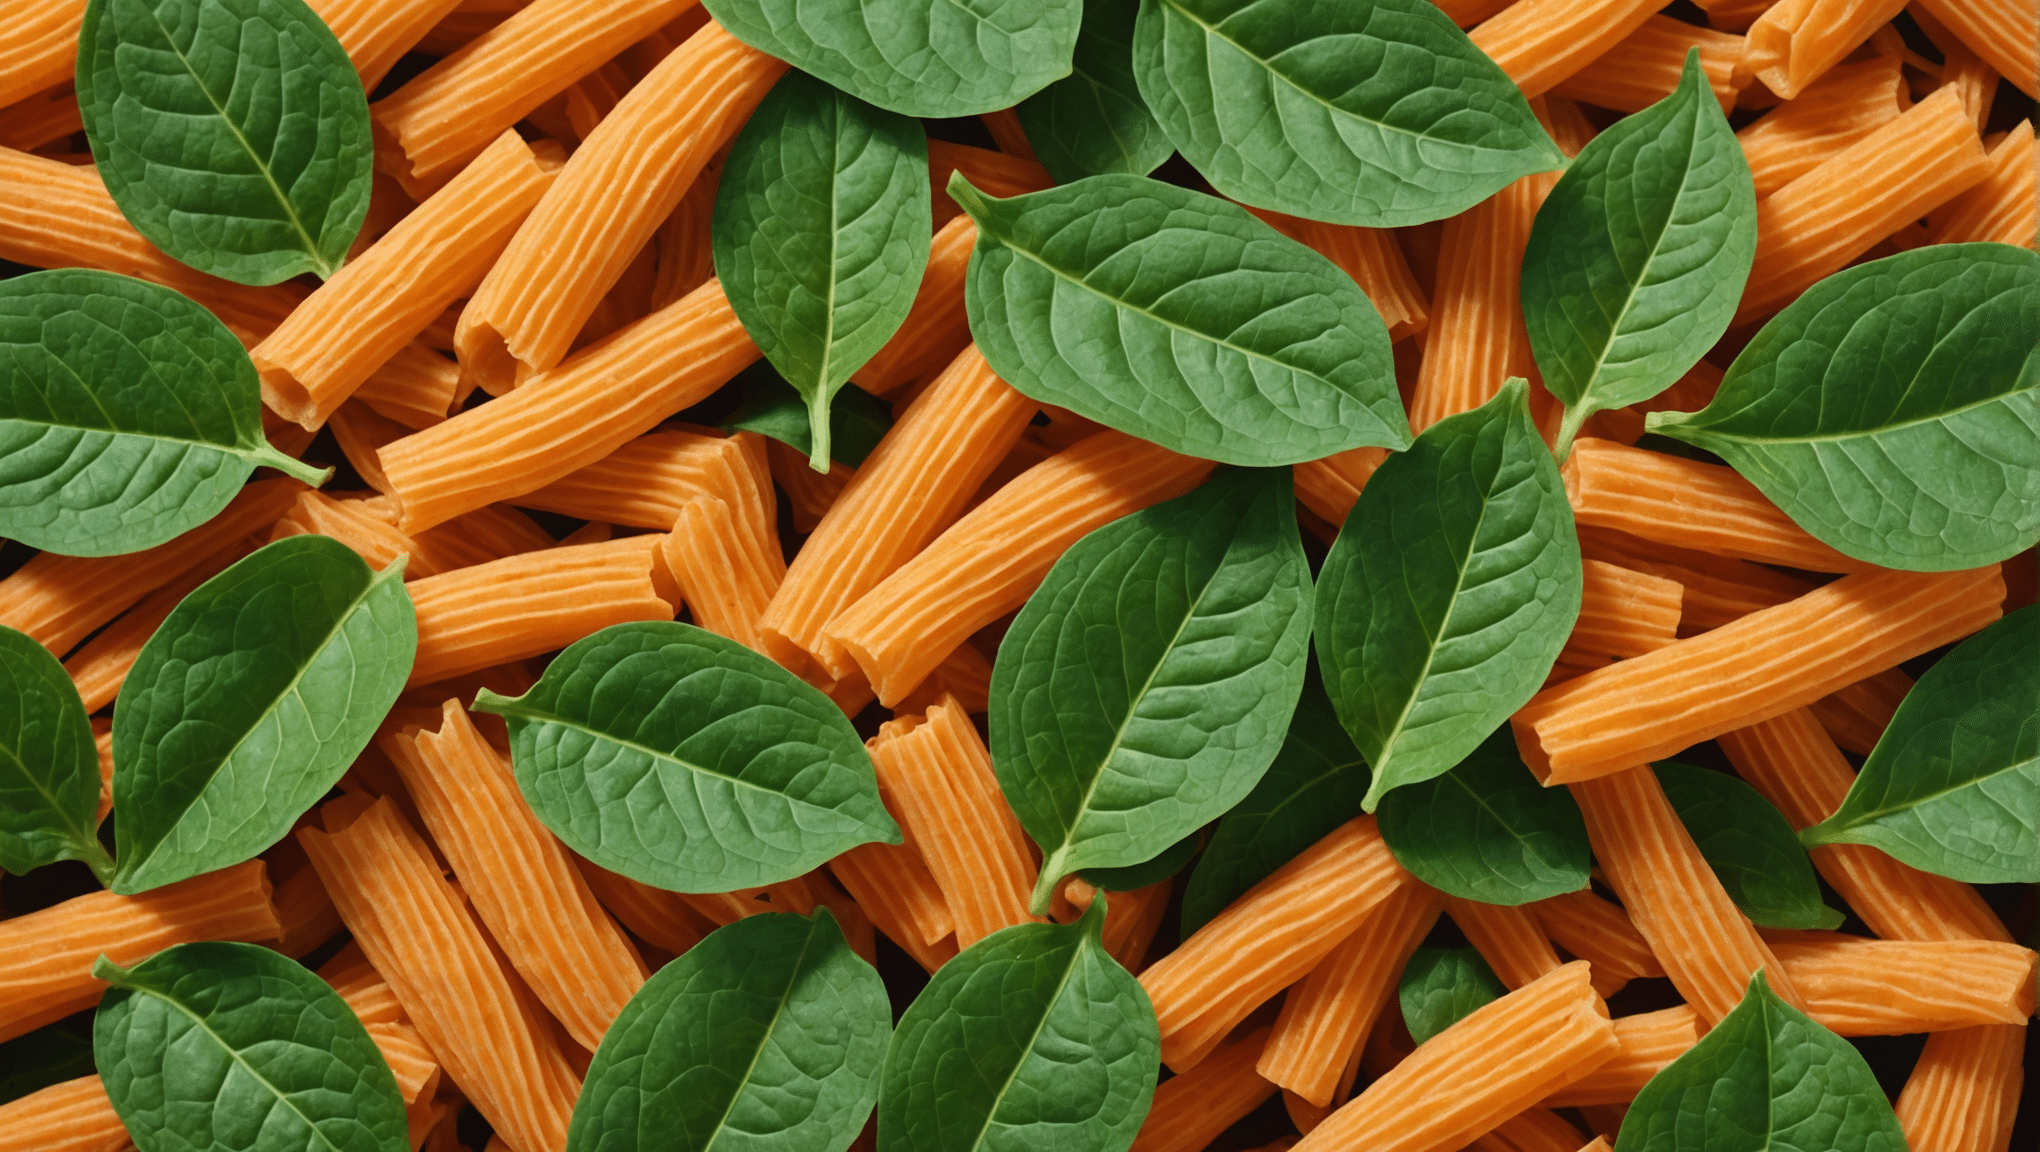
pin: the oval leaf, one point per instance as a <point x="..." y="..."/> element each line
<point x="1488" y="831"/>
<point x="1373" y="112"/>
<point x="1093" y="121"/>
<point x="219" y="1047"/>
<point x="1441" y="986"/>
<point x="231" y="133"/>
<point x="1750" y="847"/>
<point x="1953" y="787"/>
<point x="1893" y="410"/>
<point x="128" y="414"/>
<point x="689" y="762"/>
<point x="915" y="58"/>
<point x="770" y="1032"/>
<point x="49" y="767"/>
<point x="1179" y="318"/>
<point x="1449" y="592"/>
<point x="248" y="704"/>
<point x="821" y="233"/>
<point x="1145" y="686"/>
<point x="1031" y="1038"/>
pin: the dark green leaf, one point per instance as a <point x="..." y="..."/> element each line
<point x="1488" y="831"/>
<point x="857" y="419"/>
<point x="49" y="767"/>
<point x="1893" y="410"/>
<point x="248" y="704"/>
<point x="1765" y="1079"/>
<point x="915" y="58"/>
<point x="1033" y="1038"/>
<point x="49" y="1055"/>
<point x="1093" y="121"/>
<point x="1953" y="787"/>
<point x="1440" y="986"/>
<point x="821" y="233"/>
<point x="128" y="414"/>
<point x="1750" y="846"/>
<point x="219" y="1047"/>
<point x="689" y="762"/>
<point x="1449" y="592"/>
<point x="1179" y="318"/>
<point x="1163" y="865"/>
<point x="767" y="1034"/>
<point x="1374" y="112"/>
<point x="232" y="133"/>
<point x="1145" y="686"/>
<point x="1639" y="255"/>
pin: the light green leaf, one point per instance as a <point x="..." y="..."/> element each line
<point x="1750" y="847"/>
<point x="771" y="407"/>
<point x="1442" y="986"/>
<point x="1093" y="121"/>
<point x="49" y="767"/>
<point x="1487" y="831"/>
<point x="1154" y="870"/>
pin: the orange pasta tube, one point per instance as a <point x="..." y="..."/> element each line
<point x="1795" y="41"/>
<point x="1542" y="42"/>
<point x="1847" y="104"/>
<point x="1531" y="1130"/>
<point x="901" y="896"/>
<point x="405" y="1052"/>
<point x="1598" y="932"/>
<point x="74" y="1116"/>
<point x="809" y="494"/>
<point x="2005" y="33"/>
<point x="1715" y="589"/>
<point x="415" y="387"/>
<point x="1370" y="256"/>
<point x="1857" y="714"/>
<point x="1644" y="67"/>
<point x="1963" y="1093"/>
<point x="375" y="33"/>
<point x="993" y="173"/>
<point x="1509" y="939"/>
<point x="1649" y="1041"/>
<point x="1476" y="337"/>
<point x="685" y="256"/>
<point x="40" y="120"/>
<point x="658" y="917"/>
<point x="1624" y="612"/>
<point x="647" y="482"/>
<point x="1331" y="486"/>
<point x="101" y="664"/>
<point x="317" y="514"/>
<point x="935" y="329"/>
<point x="305" y="914"/>
<point x="1189" y="1111"/>
<point x="358" y="983"/>
<point x="38" y="45"/>
<point x="2001" y="208"/>
<point x="1861" y="987"/>
<point x="724" y="588"/>
<point x="1004" y="125"/>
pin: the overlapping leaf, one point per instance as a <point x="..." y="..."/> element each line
<point x="1441" y="986"/>
<point x="49" y="768"/>
<point x="1487" y="831"/>
<point x="1093" y="121"/>
<point x="1750" y="847"/>
<point x="772" y="407"/>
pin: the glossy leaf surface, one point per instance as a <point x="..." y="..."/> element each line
<point x="1750" y="847"/>
<point x="1487" y="831"/>
<point x="1440" y="986"/>
<point x="772" y="407"/>
<point x="1094" y="121"/>
<point x="49" y="767"/>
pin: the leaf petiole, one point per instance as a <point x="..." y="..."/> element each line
<point x="94" y="855"/>
<point x="269" y="456"/>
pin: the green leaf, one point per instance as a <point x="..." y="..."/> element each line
<point x="821" y="233"/>
<point x="767" y="1034"/>
<point x="49" y="767"/>
<point x="1314" y="785"/>
<point x="1487" y="831"/>
<point x="771" y="407"/>
<point x="1033" y="1038"/>
<point x="218" y="1047"/>
<point x="689" y="762"/>
<point x="1449" y="592"/>
<point x="128" y="414"/>
<point x="1638" y="256"/>
<point x="1373" y="112"/>
<point x="233" y="134"/>
<point x="49" y="1055"/>
<point x="1158" y="868"/>
<point x="1093" y="121"/>
<point x="1750" y="846"/>
<point x="1893" y="410"/>
<point x="1179" y="318"/>
<point x="913" y="57"/>
<point x="1765" y="1079"/>
<point x="1953" y="787"/>
<point x="1145" y="686"/>
<point x="249" y="702"/>
<point x="1440" y="986"/>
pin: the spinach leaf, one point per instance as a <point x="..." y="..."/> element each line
<point x="1093" y="121"/>
<point x="1314" y="785"/>
<point x="821" y="233"/>
<point x="1750" y="846"/>
<point x="915" y="58"/>
<point x="689" y="762"/>
<point x="231" y="133"/>
<point x="1441" y="986"/>
<point x="768" y="1033"/>
<point x="1144" y="688"/>
<point x="1449" y="592"/>
<point x="1893" y="410"/>
<point x="1179" y="318"/>
<point x="1638" y="256"/>
<point x="771" y="407"/>
<point x="1487" y="831"/>
<point x="49" y="1055"/>
<point x="128" y="414"/>
<point x="249" y="702"/>
<point x="1953" y="787"/>
<point x="49" y="767"/>
<point x="1032" y="1038"/>
<point x="1374" y="112"/>
<point x="219" y="1047"/>
<point x="1158" y="868"/>
<point x="1765" y="1079"/>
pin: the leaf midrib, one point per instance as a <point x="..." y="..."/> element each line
<point x="1876" y="814"/>
<point x="1033" y="1037"/>
<point x="234" y="1054"/>
<point x="764" y="1039"/>
<point x="74" y="831"/>
<point x="234" y="449"/>
<point x="1863" y="433"/>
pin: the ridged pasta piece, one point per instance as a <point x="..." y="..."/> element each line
<point x="73" y="1116"/>
<point x="101" y="664"/>
<point x="1508" y="938"/>
<point x="646" y="482"/>
<point x="1370" y="256"/>
<point x="1540" y="43"/>
<point x="305" y="915"/>
<point x="1643" y="67"/>
<point x="376" y="33"/>
<point x="2005" y="33"/>
<point x="38" y="46"/>
<point x="1857" y="986"/>
<point x="1795" y="42"/>
<point x="1963" y="1094"/>
<point x="41" y="119"/>
<point x="406" y="1054"/>
<point x="1599" y="932"/>
<point x="2001" y="208"/>
<point x="730" y="907"/>
<point x="358" y="983"/>
<point x="1330" y="486"/>
<point x="1531" y="1130"/>
<point x="1848" y="103"/>
<point x="1190" y="1110"/>
<point x="1624" y="612"/>
<point x="684" y="245"/>
<point x="993" y="173"/>
<point x="1974" y="79"/>
<point x="361" y="431"/>
<point x="1008" y="134"/>
<point x="371" y="537"/>
<point x="1476" y="338"/>
<point x="1649" y="1041"/>
<point x="1856" y="715"/>
<point x="656" y="916"/>
<point x="935" y="329"/>
<point x="1716" y="589"/>
<point x="894" y="886"/>
<point x="415" y="388"/>
<point x="1467" y="13"/>
<point x="724" y="587"/>
<point x="809" y="494"/>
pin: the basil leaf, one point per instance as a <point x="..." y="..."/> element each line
<point x="1892" y="409"/>
<point x="219" y="1047"/>
<point x="1143" y="689"/>
<point x="769" y="1032"/>
<point x="1638" y="256"/>
<point x="771" y="407"/>
<point x="128" y="414"/>
<point x="1487" y="831"/>
<point x="1031" y="1038"/>
<point x="1374" y="112"/>
<point x="1449" y="591"/>
<point x="49" y="767"/>
<point x="1953" y="787"/>
<point x="1178" y="318"/>
<point x="689" y="762"/>
<point x="1765" y="1079"/>
<point x="913" y="58"/>
<point x="1314" y="785"/>
<point x="1749" y="845"/>
<point x="1441" y="986"/>
<point x="249" y="702"/>
<point x="1093" y="121"/>
<point x="233" y="134"/>
<point x="821" y="232"/>
<point x="49" y="1055"/>
<point x="1163" y="865"/>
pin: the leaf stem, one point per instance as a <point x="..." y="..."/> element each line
<point x="1568" y="428"/>
<point x="94" y="855"/>
<point x="818" y="431"/>
<point x="1053" y="869"/>
<point x="267" y="456"/>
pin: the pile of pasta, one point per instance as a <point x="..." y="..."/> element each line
<point x="539" y="233"/>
